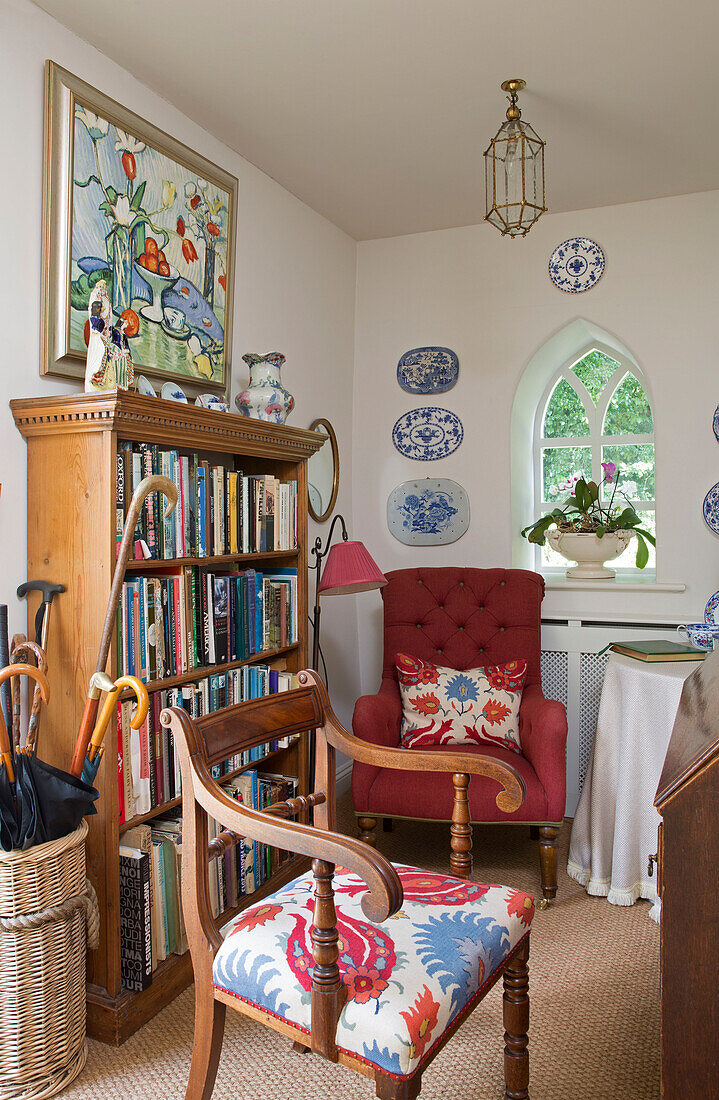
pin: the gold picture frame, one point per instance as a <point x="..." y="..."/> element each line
<point x="126" y="202"/>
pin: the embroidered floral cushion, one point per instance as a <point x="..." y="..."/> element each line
<point x="407" y="978"/>
<point x="441" y="706"/>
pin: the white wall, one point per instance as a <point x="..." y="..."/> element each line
<point x="491" y="300"/>
<point x="294" y="291"/>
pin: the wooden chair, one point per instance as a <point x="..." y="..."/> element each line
<point x="381" y="999"/>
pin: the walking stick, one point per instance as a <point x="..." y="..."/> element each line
<point x="154" y="484"/>
<point x="5" y="674"/>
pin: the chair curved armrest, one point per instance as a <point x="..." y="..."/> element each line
<point x="509" y="798"/>
<point x="384" y="896"/>
<point x="543" y="733"/>
<point x="377" y="718"/>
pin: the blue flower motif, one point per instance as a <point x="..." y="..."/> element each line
<point x="460" y="688"/>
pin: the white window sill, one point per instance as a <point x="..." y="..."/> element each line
<point x="631" y="582"/>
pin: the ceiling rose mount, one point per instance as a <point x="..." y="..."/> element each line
<point x="514" y="170"/>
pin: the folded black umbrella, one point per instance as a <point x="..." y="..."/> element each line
<point x="51" y="803"/>
<point x="9" y="822"/>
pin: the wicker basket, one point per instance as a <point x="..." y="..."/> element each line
<point x="47" y="910"/>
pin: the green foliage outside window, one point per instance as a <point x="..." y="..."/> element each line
<point x="595" y="370"/>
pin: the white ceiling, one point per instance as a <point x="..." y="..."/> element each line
<point x="376" y="112"/>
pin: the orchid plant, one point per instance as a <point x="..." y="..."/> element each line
<point x="584" y="513"/>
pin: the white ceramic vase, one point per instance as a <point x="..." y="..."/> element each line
<point x="589" y="551"/>
<point x="265" y="398"/>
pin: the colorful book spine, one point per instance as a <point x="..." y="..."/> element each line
<point x="135" y="916"/>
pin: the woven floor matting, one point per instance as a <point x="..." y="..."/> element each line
<point x="594" y="989"/>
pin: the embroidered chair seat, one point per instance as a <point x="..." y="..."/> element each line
<point x="407" y="979"/>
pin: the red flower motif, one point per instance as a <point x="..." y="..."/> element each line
<point x="128" y="163"/>
<point x="212" y="229"/>
<point x="495" y="712"/>
<point x="181" y="227"/>
<point x="521" y="905"/>
<point x="195" y="201"/>
<point x="188" y="250"/>
<point x="426" y="704"/>
<point x="254" y="917"/>
<point x="363" y="984"/>
<point x="509" y="677"/>
<point x="420" y="1020"/>
<point x="223" y="282"/>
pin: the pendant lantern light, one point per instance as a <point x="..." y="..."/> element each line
<point x="514" y="171"/>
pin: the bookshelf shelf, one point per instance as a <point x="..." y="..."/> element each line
<point x="72" y="541"/>
<point x="204" y="670"/>
<point x="148" y="565"/>
<point x="165" y="807"/>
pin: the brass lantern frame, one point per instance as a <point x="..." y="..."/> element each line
<point x="514" y="218"/>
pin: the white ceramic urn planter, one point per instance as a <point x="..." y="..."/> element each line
<point x="589" y="551"/>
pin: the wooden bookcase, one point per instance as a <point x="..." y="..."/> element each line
<point x="71" y="461"/>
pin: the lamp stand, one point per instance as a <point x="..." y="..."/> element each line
<point x="319" y="555"/>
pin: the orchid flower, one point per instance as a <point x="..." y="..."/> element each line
<point x="96" y="127"/>
<point x="610" y="470"/>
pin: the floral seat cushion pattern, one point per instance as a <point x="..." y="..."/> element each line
<point x="442" y="706"/>
<point x="407" y="979"/>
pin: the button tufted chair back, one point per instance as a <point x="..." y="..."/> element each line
<point x="463" y="618"/>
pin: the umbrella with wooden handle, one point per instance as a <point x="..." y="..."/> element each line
<point x="96" y="748"/>
<point x="9" y="815"/>
<point x="21" y="652"/>
<point x="154" y="484"/>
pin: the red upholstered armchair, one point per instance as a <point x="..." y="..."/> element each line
<point x="465" y="618"/>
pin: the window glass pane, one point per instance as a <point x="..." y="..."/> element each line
<point x="635" y="470"/>
<point x="629" y="412"/>
<point x="595" y="370"/>
<point x="565" y="414"/>
<point x="627" y="560"/>
<point x="560" y="463"/>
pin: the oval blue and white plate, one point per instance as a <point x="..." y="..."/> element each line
<point x="576" y="265"/>
<point x="710" y="508"/>
<point x="428" y="370"/>
<point x="710" y="611"/>
<point x="429" y="512"/>
<point x="427" y="433"/>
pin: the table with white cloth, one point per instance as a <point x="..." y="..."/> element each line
<point x="615" y="826"/>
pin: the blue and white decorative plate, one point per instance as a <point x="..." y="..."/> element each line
<point x="428" y="512"/>
<point x="576" y="265"/>
<point x="428" y="370"/>
<point x="710" y="508"/>
<point x="172" y="392"/>
<point x="710" y="611"/>
<point x="144" y="387"/>
<point x="715" y="423"/>
<point x="427" y="433"/>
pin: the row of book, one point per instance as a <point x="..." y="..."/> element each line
<point x="151" y="921"/>
<point x="148" y="765"/>
<point x="188" y="617"/>
<point x="219" y="509"/>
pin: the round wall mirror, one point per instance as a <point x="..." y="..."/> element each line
<point x="323" y="473"/>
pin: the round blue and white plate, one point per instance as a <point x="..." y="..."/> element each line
<point x="711" y="610"/>
<point x="576" y="265"/>
<point x="710" y="508"/>
<point x="172" y="392"/>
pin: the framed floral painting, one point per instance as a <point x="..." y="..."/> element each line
<point x="126" y="203"/>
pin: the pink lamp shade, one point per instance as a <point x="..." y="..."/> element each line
<point x="350" y="568"/>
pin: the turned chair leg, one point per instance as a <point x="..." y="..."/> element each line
<point x="460" y="859"/>
<point x="548" y="861"/>
<point x="367" y="826"/>
<point x="206" y="1045"/>
<point x="516" y="1026"/>
<point x="389" y="1088"/>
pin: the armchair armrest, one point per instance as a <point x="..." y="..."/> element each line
<point x="512" y="788"/>
<point x="543" y="733"/>
<point x="377" y="718"/>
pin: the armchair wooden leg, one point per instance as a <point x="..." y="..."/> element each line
<point x="207" y="1044"/>
<point x="367" y="826"/>
<point x="548" y="861"/>
<point x="389" y="1088"/>
<point x="460" y="859"/>
<point x="516" y="1026"/>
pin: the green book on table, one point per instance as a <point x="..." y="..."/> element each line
<point x="658" y="650"/>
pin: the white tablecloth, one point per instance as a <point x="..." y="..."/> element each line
<point x="615" y="826"/>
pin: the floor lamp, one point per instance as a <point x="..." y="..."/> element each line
<point x="349" y="568"/>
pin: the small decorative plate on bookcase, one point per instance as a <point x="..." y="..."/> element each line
<point x="576" y="265"/>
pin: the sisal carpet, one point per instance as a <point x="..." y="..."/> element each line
<point x="594" y="990"/>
